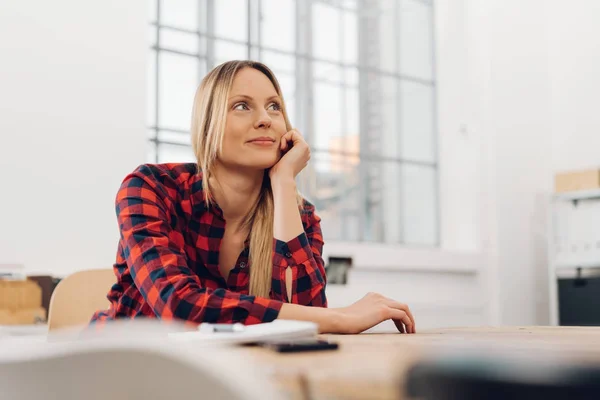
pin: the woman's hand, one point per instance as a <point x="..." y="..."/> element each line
<point x="296" y="154"/>
<point x="370" y="311"/>
<point x="356" y="318"/>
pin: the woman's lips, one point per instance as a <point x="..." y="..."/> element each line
<point x="262" y="143"/>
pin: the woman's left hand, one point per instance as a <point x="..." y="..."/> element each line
<point x="296" y="154"/>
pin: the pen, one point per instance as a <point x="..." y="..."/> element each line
<point x="218" y="328"/>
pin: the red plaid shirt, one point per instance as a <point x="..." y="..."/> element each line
<point x="168" y="255"/>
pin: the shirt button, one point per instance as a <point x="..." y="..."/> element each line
<point x="242" y="265"/>
<point x="288" y="254"/>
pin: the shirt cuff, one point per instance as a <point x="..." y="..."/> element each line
<point x="294" y="252"/>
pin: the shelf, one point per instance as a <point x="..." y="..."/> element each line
<point x="579" y="195"/>
<point x="574" y="265"/>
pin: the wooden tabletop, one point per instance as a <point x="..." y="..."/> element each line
<point x="373" y="366"/>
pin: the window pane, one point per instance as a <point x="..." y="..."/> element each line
<point x="350" y="37"/>
<point x="352" y="121"/>
<point x="390" y="127"/>
<point x="227" y="51"/>
<point x="180" y="41"/>
<point x="388" y="34"/>
<point x="352" y="76"/>
<point x="203" y="16"/>
<point x="231" y="19"/>
<point x="287" y="82"/>
<point x="152" y="35"/>
<point x="418" y="141"/>
<point x="327" y="72"/>
<point x="416" y="39"/>
<point x="279" y="62"/>
<point x="150" y="152"/>
<point x="179" y="13"/>
<point x="151" y="89"/>
<point x="169" y="153"/>
<point x="278" y="24"/>
<point x="419" y="204"/>
<point x="350" y="4"/>
<point x="174" y="137"/>
<point x="391" y="206"/>
<point x="178" y="79"/>
<point x="327" y="115"/>
<point x="326" y="32"/>
<point x="373" y="208"/>
<point x="151" y="10"/>
<point x="290" y="106"/>
<point x="334" y="191"/>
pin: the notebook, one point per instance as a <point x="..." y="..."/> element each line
<point x="271" y="331"/>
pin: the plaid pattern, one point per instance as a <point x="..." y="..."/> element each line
<point x="167" y="260"/>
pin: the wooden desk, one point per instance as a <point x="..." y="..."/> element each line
<point x="372" y="366"/>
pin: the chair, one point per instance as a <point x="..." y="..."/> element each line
<point x="78" y="296"/>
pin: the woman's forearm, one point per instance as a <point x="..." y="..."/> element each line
<point x="288" y="223"/>
<point x="328" y="319"/>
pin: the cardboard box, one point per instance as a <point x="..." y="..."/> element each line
<point x="21" y="302"/>
<point x="21" y="294"/>
<point x="25" y="316"/>
<point x="577" y="180"/>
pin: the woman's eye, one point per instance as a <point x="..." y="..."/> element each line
<point x="241" y="106"/>
<point x="275" y="107"/>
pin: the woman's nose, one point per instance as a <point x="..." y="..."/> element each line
<point x="263" y="120"/>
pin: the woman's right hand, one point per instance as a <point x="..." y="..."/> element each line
<point x="372" y="310"/>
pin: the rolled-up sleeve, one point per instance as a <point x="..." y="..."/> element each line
<point x="159" y="267"/>
<point x="303" y="255"/>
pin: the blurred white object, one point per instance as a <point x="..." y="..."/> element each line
<point x="276" y="330"/>
<point x="128" y="369"/>
<point x="23" y="330"/>
<point x="206" y="327"/>
<point x="13" y="272"/>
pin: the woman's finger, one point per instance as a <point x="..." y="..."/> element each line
<point x="284" y="140"/>
<point x="400" y="306"/>
<point x="295" y="136"/>
<point x="400" y="317"/>
<point x="399" y="326"/>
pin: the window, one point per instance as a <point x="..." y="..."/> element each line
<point x="358" y="79"/>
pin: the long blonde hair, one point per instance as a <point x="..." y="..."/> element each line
<point x="208" y="126"/>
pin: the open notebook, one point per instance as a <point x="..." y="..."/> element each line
<point x="276" y="330"/>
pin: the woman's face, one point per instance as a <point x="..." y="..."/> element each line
<point x="255" y="122"/>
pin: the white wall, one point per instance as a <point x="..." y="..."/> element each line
<point x="519" y="122"/>
<point x="72" y="116"/>
<point x="574" y="60"/>
<point x="533" y="85"/>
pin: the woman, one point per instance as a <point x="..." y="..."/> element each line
<point x="229" y="239"/>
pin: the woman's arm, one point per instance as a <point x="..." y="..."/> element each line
<point x="297" y="247"/>
<point x="360" y="316"/>
<point x="365" y="313"/>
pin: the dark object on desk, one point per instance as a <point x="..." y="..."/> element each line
<point x="579" y="297"/>
<point x="337" y="270"/>
<point x="463" y="378"/>
<point x="296" y="346"/>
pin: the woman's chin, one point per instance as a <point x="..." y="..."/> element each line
<point x="259" y="166"/>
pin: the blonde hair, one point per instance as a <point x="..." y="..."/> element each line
<point x="208" y="126"/>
